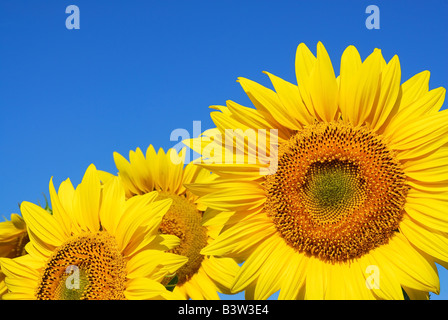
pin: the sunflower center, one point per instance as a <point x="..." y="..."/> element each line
<point x="184" y="221"/>
<point x="332" y="187"/>
<point x="88" y="266"/>
<point x="338" y="191"/>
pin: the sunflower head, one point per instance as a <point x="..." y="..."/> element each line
<point x="200" y="277"/>
<point x="94" y="245"/>
<point x="360" y="181"/>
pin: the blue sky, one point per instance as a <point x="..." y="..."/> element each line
<point x="137" y="70"/>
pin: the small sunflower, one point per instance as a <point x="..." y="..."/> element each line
<point x="359" y="188"/>
<point x="94" y="245"/>
<point x="202" y="276"/>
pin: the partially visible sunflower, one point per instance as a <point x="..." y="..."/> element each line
<point x="359" y="184"/>
<point x="94" y="245"/>
<point x="202" y="276"/>
<point x="13" y="238"/>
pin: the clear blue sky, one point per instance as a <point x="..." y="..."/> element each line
<point x="137" y="70"/>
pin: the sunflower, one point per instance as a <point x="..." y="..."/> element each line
<point x="202" y="276"/>
<point x="351" y="199"/>
<point x="13" y="238"/>
<point x="94" y="245"/>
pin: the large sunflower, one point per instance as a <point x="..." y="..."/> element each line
<point x="355" y="205"/>
<point x="94" y="245"/>
<point x="202" y="276"/>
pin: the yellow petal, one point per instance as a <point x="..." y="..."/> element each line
<point x="252" y="118"/>
<point x="292" y="112"/>
<point x="438" y="158"/>
<point x="13" y="268"/>
<point x="65" y="195"/>
<point x="222" y="271"/>
<point x="140" y="221"/>
<point x="150" y="155"/>
<point x="390" y="90"/>
<point x="316" y="280"/>
<point x="146" y="289"/>
<point x="322" y="86"/>
<point x="428" y="211"/>
<point x="265" y="101"/>
<point x="431" y="168"/>
<point x="422" y="131"/>
<point x="86" y="205"/>
<point x="355" y="277"/>
<point x="42" y="226"/>
<point x="167" y="242"/>
<point x="416" y="294"/>
<point x="272" y="271"/>
<point x="140" y="171"/>
<point x="414" y="88"/>
<point x="216" y="217"/>
<point x="411" y="268"/>
<point x="366" y="84"/>
<point x="105" y="176"/>
<point x="233" y="170"/>
<point x="153" y="264"/>
<point x="200" y="287"/>
<point x="240" y="240"/>
<point x="162" y="173"/>
<point x="426" y="147"/>
<point x="433" y="242"/>
<point x="305" y="61"/>
<point x="125" y="174"/>
<point x="427" y="104"/>
<point x="112" y="204"/>
<point x="252" y="266"/>
<point x="350" y="64"/>
<point x="176" y="162"/>
<point x="294" y="278"/>
<point x="385" y="284"/>
<point x="335" y="288"/>
<point x="227" y="195"/>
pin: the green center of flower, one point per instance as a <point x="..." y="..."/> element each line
<point x="88" y="266"/>
<point x="73" y="284"/>
<point x="184" y="221"/>
<point x="331" y="188"/>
